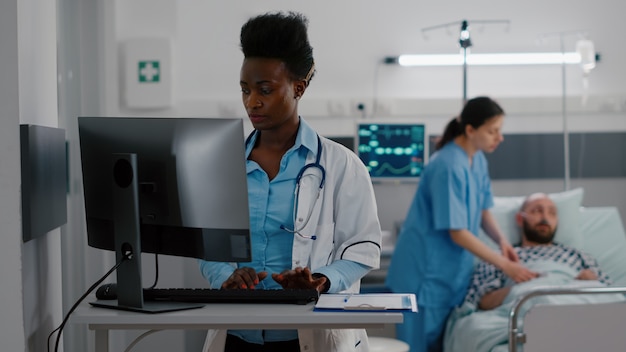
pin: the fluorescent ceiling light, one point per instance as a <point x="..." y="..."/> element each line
<point x="487" y="59"/>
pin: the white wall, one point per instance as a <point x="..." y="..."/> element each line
<point x="350" y="39"/>
<point x="12" y="332"/>
<point x="31" y="272"/>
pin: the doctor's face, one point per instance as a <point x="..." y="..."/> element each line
<point x="488" y="136"/>
<point x="269" y="94"/>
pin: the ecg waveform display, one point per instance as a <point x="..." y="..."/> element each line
<point x="392" y="151"/>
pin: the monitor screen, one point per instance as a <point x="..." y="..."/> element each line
<point x="174" y="186"/>
<point x="393" y="151"/>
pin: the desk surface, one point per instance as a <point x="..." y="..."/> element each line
<point x="232" y="316"/>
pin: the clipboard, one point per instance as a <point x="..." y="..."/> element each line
<point x="367" y="302"/>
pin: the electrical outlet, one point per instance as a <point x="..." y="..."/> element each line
<point x="337" y="108"/>
<point x="384" y="107"/>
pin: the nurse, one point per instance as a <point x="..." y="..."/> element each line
<point x="435" y="249"/>
<point x="313" y="216"/>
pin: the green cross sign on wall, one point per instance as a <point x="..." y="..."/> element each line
<point x="149" y="71"/>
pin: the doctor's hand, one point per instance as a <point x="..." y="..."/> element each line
<point x="244" y="278"/>
<point x="300" y="278"/>
<point x="508" y="251"/>
<point x="518" y="272"/>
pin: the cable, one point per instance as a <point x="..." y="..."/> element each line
<point x="127" y="255"/>
<point x="139" y="338"/>
<point x="156" y="269"/>
<point x="375" y="87"/>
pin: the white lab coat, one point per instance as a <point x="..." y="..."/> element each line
<point x="345" y="223"/>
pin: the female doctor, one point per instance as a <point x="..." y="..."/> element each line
<point x="433" y="256"/>
<point x="313" y="216"/>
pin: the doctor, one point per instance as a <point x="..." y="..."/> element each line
<point x="313" y="215"/>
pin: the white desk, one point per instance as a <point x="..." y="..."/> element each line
<point x="226" y="316"/>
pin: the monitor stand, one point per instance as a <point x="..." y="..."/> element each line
<point x="128" y="243"/>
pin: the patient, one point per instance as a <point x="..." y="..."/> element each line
<point x="538" y="220"/>
<point x="481" y="323"/>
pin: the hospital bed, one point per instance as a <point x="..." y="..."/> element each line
<point x="551" y="318"/>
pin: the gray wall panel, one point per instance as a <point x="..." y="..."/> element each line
<point x="540" y="156"/>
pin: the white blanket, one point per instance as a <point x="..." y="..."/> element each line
<point x="469" y="329"/>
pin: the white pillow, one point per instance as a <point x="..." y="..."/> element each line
<point x="568" y="204"/>
<point x="604" y="238"/>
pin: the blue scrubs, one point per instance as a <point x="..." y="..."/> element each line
<point x="451" y="195"/>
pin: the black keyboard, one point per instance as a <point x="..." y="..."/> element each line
<point x="207" y="295"/>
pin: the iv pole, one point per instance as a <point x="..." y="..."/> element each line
<point x="566" y="146"/>
<point x="465" y="42"/>
<point x="566" y="176"/>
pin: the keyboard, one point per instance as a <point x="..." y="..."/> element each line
<point x="207" y="295"/>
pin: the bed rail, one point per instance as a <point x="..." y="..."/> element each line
<point x="517" y="335"/>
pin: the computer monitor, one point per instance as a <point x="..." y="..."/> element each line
<point x="392" y="151"/>
<point x="174" y="186"/>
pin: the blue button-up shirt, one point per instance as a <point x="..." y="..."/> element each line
<point x="271" y="205"/>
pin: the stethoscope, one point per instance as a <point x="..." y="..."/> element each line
<point x="315" y="165"/>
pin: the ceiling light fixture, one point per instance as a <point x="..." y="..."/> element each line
<point x="495" y="59"/>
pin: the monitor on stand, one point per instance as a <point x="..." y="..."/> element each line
<point x="174" y="186"/>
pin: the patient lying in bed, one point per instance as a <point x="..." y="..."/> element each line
<point x="481" y="324"/>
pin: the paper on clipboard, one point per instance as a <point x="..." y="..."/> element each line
<point x="405" y="302"/>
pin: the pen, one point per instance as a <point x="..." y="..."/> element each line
<point x="347" y="298"/>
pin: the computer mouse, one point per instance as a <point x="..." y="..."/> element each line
<point x="107" y="291"/>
